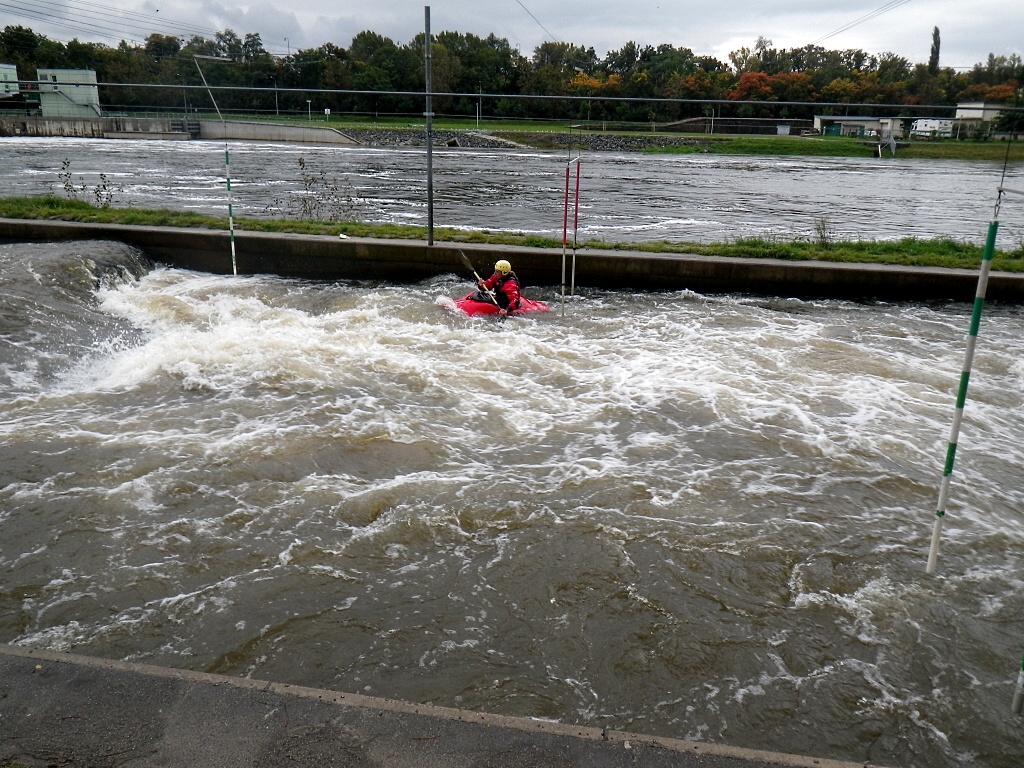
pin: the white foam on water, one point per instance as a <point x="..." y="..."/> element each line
<point x="352" y="466"/>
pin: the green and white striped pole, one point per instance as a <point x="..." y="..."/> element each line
<point x="961" y="398"/>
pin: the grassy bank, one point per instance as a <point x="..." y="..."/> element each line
<point x="828" y="146"/>
<point x="939" y="252"/>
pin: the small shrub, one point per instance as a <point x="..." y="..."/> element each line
<point x="103" y="192"/>
<point x="321" y="198"/>
<point x="824" y="233"/>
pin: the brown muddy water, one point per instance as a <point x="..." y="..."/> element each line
<point x="700" y="517"/>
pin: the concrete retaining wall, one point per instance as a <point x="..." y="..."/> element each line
<point x="404" y="261"/>
<point x="85" y="127"/>
<point x="298" y="134"/>
<point x="161" y="128"/>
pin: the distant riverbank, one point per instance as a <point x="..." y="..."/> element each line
<point x="723" y="144"/>
<point x="512" y="134"/>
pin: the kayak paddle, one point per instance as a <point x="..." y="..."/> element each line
<point x="469" y="266"/>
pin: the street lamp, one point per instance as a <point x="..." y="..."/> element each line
<point x="309" y="109"/>
<point x="289" y="47"/>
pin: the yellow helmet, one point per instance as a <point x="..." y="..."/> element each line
<point x="502" y="266"/>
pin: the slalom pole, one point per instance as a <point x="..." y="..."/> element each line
<point x="231" y="215"/>
<point x="575" y="226"/>
<point x="565" y="225"/>
<point x="227" y="158"/>
<point x="1018" y="697"/>
<point x="961" y="398"/>
<point x="979" y="303"/>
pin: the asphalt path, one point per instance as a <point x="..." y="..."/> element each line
<point x="73" y="711"/>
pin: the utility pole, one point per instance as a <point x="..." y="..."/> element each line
<point x="428" y="114"/>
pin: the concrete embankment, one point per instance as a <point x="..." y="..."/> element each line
<point x="169" y="128"/>
<point x="191" y="127"/>
<point x="321" y="257"/>
<point x="62" y="709"/>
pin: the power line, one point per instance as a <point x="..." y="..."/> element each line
<point x="550" y="36"/>
<point x="83" y="17"/>
<point x="867" y="17"/>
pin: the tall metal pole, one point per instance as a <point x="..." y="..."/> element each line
<point x="429" y="114"/>
<point x="227" y="165"/>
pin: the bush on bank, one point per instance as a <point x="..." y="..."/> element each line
<point x="936" y="252"/>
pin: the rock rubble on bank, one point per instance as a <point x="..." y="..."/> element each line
<point x="416" y="137"/>
<point x="611" y="142"/>
<point x="594" y="142"/>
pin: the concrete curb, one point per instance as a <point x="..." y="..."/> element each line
<point x="322" y="257"/>
<point x="77" y="710"/>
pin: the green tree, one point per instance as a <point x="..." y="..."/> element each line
<point x="162" y="46"/>
<point x="933" y="57"/>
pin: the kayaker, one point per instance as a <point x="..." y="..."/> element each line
<point x="504" y="285"/>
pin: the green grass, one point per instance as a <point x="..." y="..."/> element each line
<point x="937" y="252"/>
<point x="826" y="146"/>
<point x="908" y="252"/>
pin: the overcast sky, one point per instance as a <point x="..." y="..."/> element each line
<point x="969" y="29"/>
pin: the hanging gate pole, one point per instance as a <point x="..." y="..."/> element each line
<point x="565" y="233"/>
<point x="961" y="398"/>
<point x="965" y="376"/>
<point x="565" y="221"/>
<point x="575" y="227"/>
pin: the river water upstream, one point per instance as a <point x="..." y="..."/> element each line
<point x="702" y="517"/>
<point x="624" y="197"/>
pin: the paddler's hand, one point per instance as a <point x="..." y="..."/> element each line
<point x="502" y="312"/>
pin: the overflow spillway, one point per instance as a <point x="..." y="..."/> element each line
<point x="321" y="257"/>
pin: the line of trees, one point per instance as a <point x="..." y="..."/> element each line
<point x="495" y="77"/>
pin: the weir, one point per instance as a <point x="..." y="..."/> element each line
<point x="168" y="129"/>
<point x="321" y="257"/>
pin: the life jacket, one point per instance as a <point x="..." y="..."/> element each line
<point x="499" y="293"/>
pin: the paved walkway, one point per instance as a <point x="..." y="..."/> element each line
<point x="79" y="712"/>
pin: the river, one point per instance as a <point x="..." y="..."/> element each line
<point x="624" y="197"/>
<point x="703" y="517"/>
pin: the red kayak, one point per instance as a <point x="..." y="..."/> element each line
<point x="470" y="305"/>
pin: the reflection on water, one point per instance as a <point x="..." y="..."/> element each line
<point x="625" y="197"/>
<point x="697" y="517"/>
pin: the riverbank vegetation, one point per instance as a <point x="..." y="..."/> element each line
<point x="821" y="246"/>
<point x="489" y="78"/>
<point x="777" y="146"/>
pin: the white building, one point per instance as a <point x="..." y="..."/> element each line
<point x="8" y="81"/>
<point x="68" y="93"/>
<point x="931" y="128"/>
<point x="986" y="112"/>
<point x="855" y="126"/>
